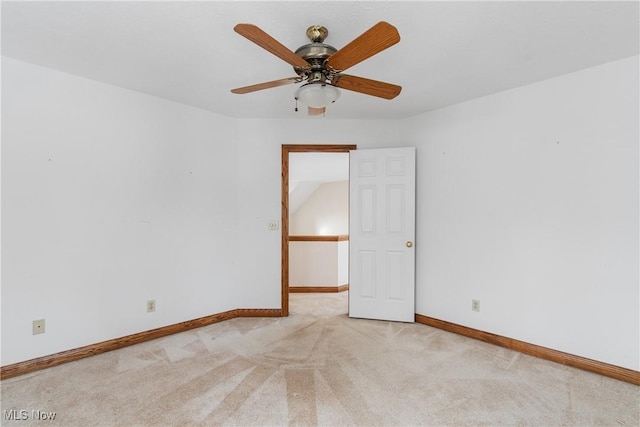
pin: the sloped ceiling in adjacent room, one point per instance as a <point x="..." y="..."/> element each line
<point x="307" y="171"/>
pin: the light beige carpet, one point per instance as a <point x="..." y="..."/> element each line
<point x="318" y="367"/>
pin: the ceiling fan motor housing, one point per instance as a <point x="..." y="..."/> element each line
<point x="315" y="53"/>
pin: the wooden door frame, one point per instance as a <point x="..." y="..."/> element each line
<point x="286" y="149"/>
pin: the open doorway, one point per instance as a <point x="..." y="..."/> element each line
<point x="318" y="223"/>
<point x="286" y="151"/>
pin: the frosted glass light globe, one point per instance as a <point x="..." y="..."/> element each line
<point x="317" y="95"/>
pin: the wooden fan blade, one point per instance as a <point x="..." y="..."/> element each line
<point x="267" y="42"/>
<point x="316" y="111"/>
<point x="265" y="85"/>
<point x="367" y="86"/>
<point x="374" y="40"/>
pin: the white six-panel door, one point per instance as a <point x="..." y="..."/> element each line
<point x="381" y="234"/>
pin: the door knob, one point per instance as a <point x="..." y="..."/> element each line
<point x="409" y="244"/>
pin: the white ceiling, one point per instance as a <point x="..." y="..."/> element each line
<point x="449" y="51"/>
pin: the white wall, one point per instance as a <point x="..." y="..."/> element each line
<point x="343" y="262"/>
<point x="110" y="198"/>
<point x="528" y="201"/>
<point x="314" y="264"/>
<point x="324" y="213"/>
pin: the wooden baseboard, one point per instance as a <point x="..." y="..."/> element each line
<point x="258" y="312"/>
<point x="601" y="368"/>
<point x="49" y="361"/>
<point x="612" y="371"/>
<point x="314" y="289"/>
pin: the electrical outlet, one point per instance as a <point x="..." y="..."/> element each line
<point x="475" y="305"/>
<point x="38" y="327"/>
<point x="273" y="224"/>
<point x="151" y="306"/>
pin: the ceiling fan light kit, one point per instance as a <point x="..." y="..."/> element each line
<point x="317" y="95"/>
<point x="321" y="66"/>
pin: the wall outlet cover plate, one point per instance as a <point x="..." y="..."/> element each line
<point x="38" y="327"/>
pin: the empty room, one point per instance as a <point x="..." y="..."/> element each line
<point x="169" y="258"/>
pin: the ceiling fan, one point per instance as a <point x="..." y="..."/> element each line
<point x="321" y="66"/>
